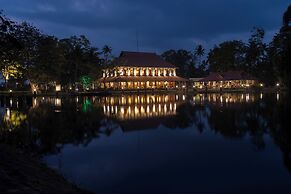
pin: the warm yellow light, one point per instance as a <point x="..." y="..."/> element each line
<point x="261" y="84"/>
<point x="58" y="87"/>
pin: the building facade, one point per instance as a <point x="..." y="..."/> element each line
<point x="140" y="70"/>
<point x="225" y="80"/>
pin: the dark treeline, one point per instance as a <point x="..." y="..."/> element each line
<point x="28" y="54"/>
<point x="270" y="63"/>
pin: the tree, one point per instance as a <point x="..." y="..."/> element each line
<point x="183" y="59"/>
<point x="280" y="51"/>
<point x="106" y="50"/>
<point x="199" y="52"/>
<point x="229" y="55"/>
<point x="287" y="17"/>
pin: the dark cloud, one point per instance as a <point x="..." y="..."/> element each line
<point x="161" y="24"/>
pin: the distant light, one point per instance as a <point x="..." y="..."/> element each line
<point x="58" y="87"/>
<point x="183" y="86"/>
<point x="261" y="84"/>
<point x="277" y="84"/>
<point x="248" y="85"/>
<point x="10" y="91"/>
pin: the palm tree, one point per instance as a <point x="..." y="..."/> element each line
<point x="199" y="52"/>
<point x="106" y="50"/>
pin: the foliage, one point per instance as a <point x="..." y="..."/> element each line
<point x="228" y="55"/>
<point x="183" y="59"/>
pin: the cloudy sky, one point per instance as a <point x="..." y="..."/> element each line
<point x="158" y="24"/>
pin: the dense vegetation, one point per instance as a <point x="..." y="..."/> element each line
<point x="28" y="54"/>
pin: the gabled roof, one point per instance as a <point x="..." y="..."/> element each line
<point x="141" y="59"/>
<point x="229" y="75"/>
<point x="213" y="77"/>
<point x="142" y="79"/>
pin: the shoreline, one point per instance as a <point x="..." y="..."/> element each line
<point x="22" y="172"/>
<point x="115" y="92"/>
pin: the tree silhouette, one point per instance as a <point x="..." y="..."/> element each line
<point x="199" y="52"/>
<point x="106" y="50"/>
<point x="287" y="17"/>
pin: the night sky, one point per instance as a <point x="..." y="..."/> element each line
<point x="161" y="24"/>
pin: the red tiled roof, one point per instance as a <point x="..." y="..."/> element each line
<point x="229" y="75"/>
<point x="141" y="59"/>
<point x="141" y="78"/>
<point x="213" y="77"/>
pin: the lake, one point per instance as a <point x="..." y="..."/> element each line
<point x="158" y="143"/>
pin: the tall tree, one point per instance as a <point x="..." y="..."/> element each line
<point x="199" y="52"/>
<point x="106" y="50"/>
<point x="183" y="59"/>
<point x="280" y="49"/>
<point x="229" y="55"/>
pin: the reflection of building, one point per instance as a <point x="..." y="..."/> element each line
<point x="140" y="106"/>
<point x="226" y="98"/>
<point x="225" y="80"/>
<point x="138" y="70"/>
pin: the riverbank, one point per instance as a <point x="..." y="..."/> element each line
<point x="141" y="91"/>
<point x="23" y="173"/>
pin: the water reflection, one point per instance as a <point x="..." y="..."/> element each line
<point x="140" y="106"/>
<point x="47" y="124"/>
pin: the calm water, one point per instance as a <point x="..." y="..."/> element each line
<point x="230" y="143"/>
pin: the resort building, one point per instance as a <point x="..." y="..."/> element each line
<point x="225" y="80"/>
<point x="140" y="70"/>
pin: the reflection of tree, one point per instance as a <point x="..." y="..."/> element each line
<point x="280" y="130"/>
<point x="67" y="126"/>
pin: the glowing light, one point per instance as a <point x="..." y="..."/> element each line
<point x="247" y="97"/>
<point x="277" y="84"/>
<point x="278" y="96"/>
<point x="58" y="87"/>
<point x="261" y="85"/>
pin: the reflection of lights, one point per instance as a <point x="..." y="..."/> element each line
<point x="34" y="102"/>
<point x="11" y="102"/>
<point x="261" y="96"/>
<point x="247" y="97"/>
<point x="58" y="102"/>
<point x="177" y="97"/>
<point x="183" y="97"/>
<point x="129" y="110"/>
<point x="122" y="110"/>
<point x="221" y="99"/>
<point x="278" y="96"/>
